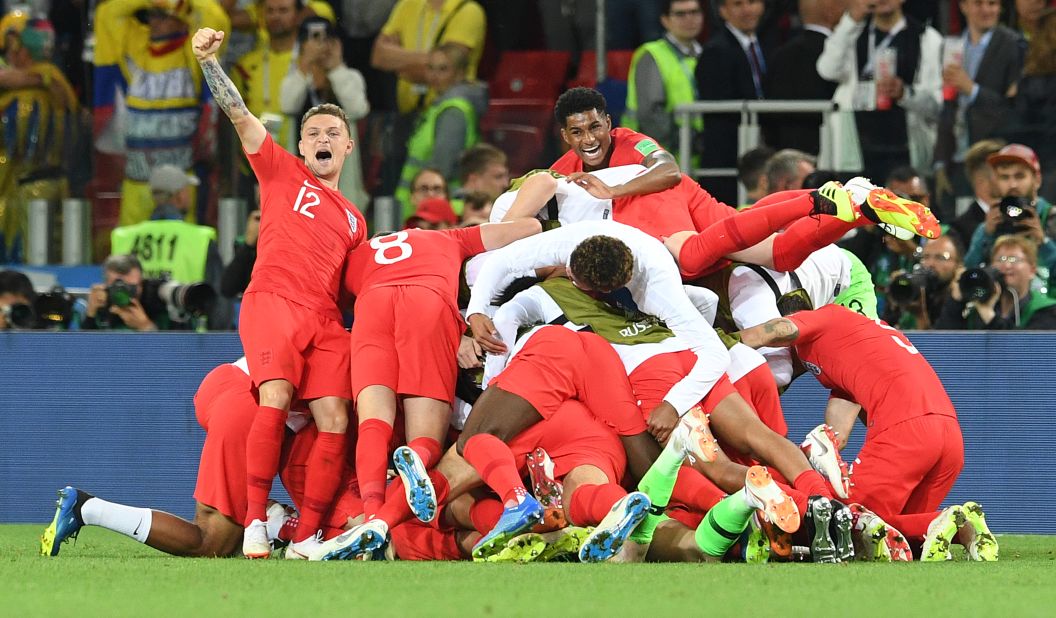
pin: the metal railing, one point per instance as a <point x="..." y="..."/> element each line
<point x="748" y="131"/>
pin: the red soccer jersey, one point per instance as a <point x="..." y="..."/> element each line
<point x="425" y="258"/>
<point x="628" y="148"/>
<point x="306" y="232"/>
<point x="870" y="363"/>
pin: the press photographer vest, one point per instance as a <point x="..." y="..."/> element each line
<point x="166" y="248"/>
<point x="603" y="319"/>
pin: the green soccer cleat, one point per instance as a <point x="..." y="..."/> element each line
<point x="981" y="543"/>
<point x="523" y="548"/>
<point x="757" y="542"/>
<point x="563" y="545"/>
<point x="832" y="199"/>
<point x="941" y="533"/>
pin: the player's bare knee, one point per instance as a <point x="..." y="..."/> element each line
<point x="330" y="414"/>
<point x="276" y="394"/>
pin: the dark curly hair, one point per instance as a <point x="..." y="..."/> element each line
<point x="576" y="101"/>
<point x="602" y="262"/>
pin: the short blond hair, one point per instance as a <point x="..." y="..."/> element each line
<point x="1026" y="245"/>
<point x="327" y="109"/>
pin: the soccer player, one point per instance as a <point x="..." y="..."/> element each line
<point x="913" y="449"/>
<point x="224" y="406"/>
<point x="404" y="344"/>
<point x="290" y="324"/>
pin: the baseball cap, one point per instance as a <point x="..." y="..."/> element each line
<point x="170" y="179"/>
<point x="435" y="210"/>
<point x="1016" y="153"/>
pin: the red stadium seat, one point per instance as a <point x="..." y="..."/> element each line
<point x="530" y="74"/>
<point x="536" y="113"/>
<point x="617" y="66"/>
<point x="522" y="144"/>
<point x="618" y="63"/>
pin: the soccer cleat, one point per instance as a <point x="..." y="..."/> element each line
<point x="876" y="540"/>
<point x="941" y="532"/>
<point x="833" y="199"/>
<point x="282" y="520"/>
<point x="884" y="207"/>
<point x="980" y="542"/>
<point x="756" y="545"/>
<point x="608" y="537"/>
<point x="514" y="521"/>
<point x="358" y="543"/>
<point x="255" y="543"/>
<point x="693" y="433"/>
<point x="553" y="519"/>
<point x="66" y="523"/>
<point x="563" y="545"/>
<point x="841" y="531"/>
<point x="417" y="486"/>
<point x="522" y="548"/>
<point x="545" y="487"/>
<point x="820" y="448"/>
<point x="765" y="495"/>
<point x="822" y="549"/>
<point x="302" y="550"/>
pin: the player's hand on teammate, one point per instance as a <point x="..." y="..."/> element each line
<point x="485" y="334"/>
<point x="593" y="185"/>
<point x="662" y="421"/>
<point x="134" y="316"/>
<point x="469" y="353"/>
<point x="206" y="42"/>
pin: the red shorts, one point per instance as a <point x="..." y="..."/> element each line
<point x="652" y="380"/>
<point x="417" y="541"/>
<point x="909" y="467"/>
<point x="284" y="340"/>
<point x="293" y="469"/>
<point x="572" y="438"/>
<point x="557" y="364"/>
<point x="225" y="407"/>
<point x="406" y="337"/>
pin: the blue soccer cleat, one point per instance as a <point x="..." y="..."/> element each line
<point x="361" y="542"/>
<point x="607" y="539"/>
<point x="421" y="496"/>
<point x="66" y="523"/>
<point x="513" y="522"/>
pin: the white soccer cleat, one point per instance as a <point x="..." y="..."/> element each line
<point x="302" y="550"/>
<point x="693" y="435"/>
<point x="762" y="492"/>
<point x="820" y="448"/>
<point x="255" y="544"/>
<point x="358" y="543"/>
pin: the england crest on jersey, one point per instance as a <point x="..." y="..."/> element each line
<point x="353" y="223"/>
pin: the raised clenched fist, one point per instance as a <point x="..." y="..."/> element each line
<point x="206" y="42"/>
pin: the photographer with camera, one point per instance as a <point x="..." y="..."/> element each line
<point x="915" y="298"/>
<point x="998" y="297"/>
<point x="16" y="301"/>
<point x="1021" y="211"/>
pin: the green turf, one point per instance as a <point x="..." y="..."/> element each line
<point x="104" y="574"/>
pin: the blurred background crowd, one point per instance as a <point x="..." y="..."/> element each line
<point x="950" y="103"/>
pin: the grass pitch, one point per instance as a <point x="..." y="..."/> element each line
<point x="105" y="574"/>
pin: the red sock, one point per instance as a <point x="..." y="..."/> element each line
<point x="263" y="446"/>
<point x="372" y="459"/>
<point x="800" y="498"/>
<point x="428" y="449"/>
<point x="913" y="526"/>
<point x="589" y="504"/>
<point x="485" y="514"/>
<point x="396" y="511"/>
<point x="806" y="236"/>
<point x="320" y="481"/>
<point x="813" y="484"/>
<point x="694" y="491"/>
<point x="742" y="230"/>
<point x="494" y="462"/>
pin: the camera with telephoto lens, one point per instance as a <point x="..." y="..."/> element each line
<point x="906" y="287"/>
<point x="977" y="284"/>
<point x="1016" y="212"/>
<point x="182" y="299"/>
<point x="120" y="294"/>
<point x="54" y="309"/>
<point x="19" y="316"/>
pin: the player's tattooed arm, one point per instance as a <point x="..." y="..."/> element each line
<point x="778" y="332"/>
<point x="206" y="44"/>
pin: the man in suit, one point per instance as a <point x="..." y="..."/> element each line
<point x="792" y="75"/>
<point x="732" y="66"/>
<point x="985" y="194"/>
<point x="976" y="90"/>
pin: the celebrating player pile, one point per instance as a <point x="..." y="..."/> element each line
<point x="612" y="422"/>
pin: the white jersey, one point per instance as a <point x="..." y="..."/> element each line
<point x="823" y="275"/>
<point x="574" y="203"/>
<point x="655" y="287"/>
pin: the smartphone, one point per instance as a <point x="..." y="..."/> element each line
<point x="317" y="31"/>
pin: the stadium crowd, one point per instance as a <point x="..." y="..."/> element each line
<point x="606" y="326"/>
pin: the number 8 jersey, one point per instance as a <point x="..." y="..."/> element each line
<point x="307" y="231"/>
<point x="426" y="258"/>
